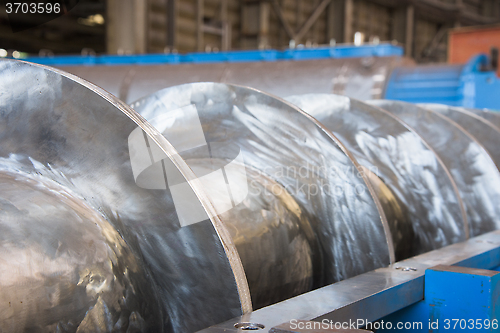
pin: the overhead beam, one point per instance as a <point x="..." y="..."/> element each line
<point x="442" y="12"/>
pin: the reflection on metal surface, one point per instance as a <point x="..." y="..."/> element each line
<point x="472" y="168"/>
<point x="406" y="165"/>
<point x="65" y="268"/>
<point x="490" y="115"/>
<point x="397" y="216"/>
<point x="103" y="253"/>
<point x="484" y="131"/>
<point x="309" y="219"/>
<point x="226" y="186"/>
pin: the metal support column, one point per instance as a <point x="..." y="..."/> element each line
<point x="126" y="27"/>
<point x="226" y="26"/>
<point x="398" y="28"/>
<point x="200" y="4"/>
<point x="335" y="18"/>
<point x="171" y="23"/>
<point x="410" y="30"/>
<point x="348" y="21"/>
<point x="264" y="15"/>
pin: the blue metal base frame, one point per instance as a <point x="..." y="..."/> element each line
<point x="465" y="288"/>
<point x="456" y="299"/>
<point x="341" y="51"/>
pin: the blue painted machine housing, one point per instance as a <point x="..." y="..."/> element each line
<point x="471" y="85"/>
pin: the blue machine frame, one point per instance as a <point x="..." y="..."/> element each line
<point x="468" y="85"/>
<point x="465" y="288"/>
<point x="455" y="299"/>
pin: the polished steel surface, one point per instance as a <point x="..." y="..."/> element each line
<point x="375" y="294"/>
<point x="472" y="168"/>
<point x="432" y="214"/>
<point x="483" y="130"/>
<point x="363" y="78"/>
<point x="491" y="115"/>
<point x="64" y="267"/>
<point x="84" y="247"/>
<point x="321" y="223"/>
<point x="397" y="215"/>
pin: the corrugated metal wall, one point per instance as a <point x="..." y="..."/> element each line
<point x="157" y="26"/>
<point x="185" y="36"/>
<point x="256" y="23"/>
<point x="371" y="19"/>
